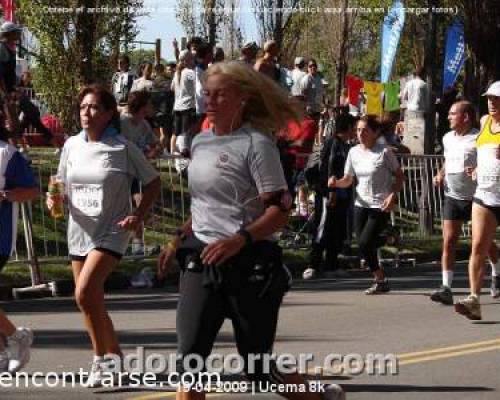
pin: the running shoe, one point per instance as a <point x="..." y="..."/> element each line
<point x="333" y="392"/>
<point x="4" y="361"/>
<point x="443" y="295"/>
<point x="18" y="348"/>
<point x="96" y="374"/>
<point x="495" y="287"/>
<point x="469" y="307"/>
<point x="378" y="287"/>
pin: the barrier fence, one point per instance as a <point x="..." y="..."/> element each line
<point x="417" y="216"/>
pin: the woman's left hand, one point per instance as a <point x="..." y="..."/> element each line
<point x="389" y="203"/>
<point x="219" y="252"/>
<point x="130" y="222"/>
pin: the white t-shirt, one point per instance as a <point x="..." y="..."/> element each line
<point x="298" y="87"/>
<point x="226" y="175"/>
<point x="97" y="178"/>
<point x="459" y="152"/>
<point x="373" y="169"/>
<point x="142" y="84"/>
<point x="416" y="93"/>
<point x="200" y="103"/>
<point x="314" y="91"/>
<point x="185" y="90"/>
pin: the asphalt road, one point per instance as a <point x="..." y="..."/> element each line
<point x="440" y="354"/>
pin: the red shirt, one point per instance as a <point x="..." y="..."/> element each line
<point x="302" y="140"/>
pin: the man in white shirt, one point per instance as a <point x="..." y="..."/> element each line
<point x="314" y="90"/>
<point x="460" y="159"/>
<point x="298" y="74"/>
<point x="416" y="93"/>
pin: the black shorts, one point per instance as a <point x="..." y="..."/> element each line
<point x="494" y="209"/>
<point x="184" y="121"/>
<point x="456" y="210"/>
<point x="112" y="253"/>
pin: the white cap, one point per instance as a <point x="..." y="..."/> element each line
<point x="10" y="27"/>
<point x="493" y="90"/>
<point x="299" y="60"/>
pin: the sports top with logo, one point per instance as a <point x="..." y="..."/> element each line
<point x="226" y="175"/>
<point x="460" y="153"/>
<point x="488" y="166"/>
<point x="97" y="178"/>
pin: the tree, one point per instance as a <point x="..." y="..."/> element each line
<point x="140" y="56"/>
<point x="232" y="37"/>
<point x="75" y="45"/>
<point x="273" y="18"/>
<point x="482" y="30"/>
<point x="207" y="23"/>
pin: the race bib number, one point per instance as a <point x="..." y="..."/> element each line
<point x="488" y="169"/>
<point x="87" y="199"/>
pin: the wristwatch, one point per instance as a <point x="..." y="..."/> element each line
<point x="180" y="234"/>
<point x="247" y="236"/>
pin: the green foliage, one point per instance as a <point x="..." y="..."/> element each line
<point x="75" y="45"/>
<point x="140" y="56"/>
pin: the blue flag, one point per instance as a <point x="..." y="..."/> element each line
<point x="391" y="32"/>
<point x="455" y="53"/>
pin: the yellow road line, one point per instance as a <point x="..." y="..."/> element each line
<point x="403" y="359"/>
<point x="449" y="349"/>
<point x="447" y="355"/>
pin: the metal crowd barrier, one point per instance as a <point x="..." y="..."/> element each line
<point x="417" y="217"/>
<point x="49" y="235"/>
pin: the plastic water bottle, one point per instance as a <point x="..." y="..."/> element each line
<point x="56" y="193"/>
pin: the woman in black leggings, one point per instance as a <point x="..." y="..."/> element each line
<point x="231" y="267"/>
<point x="379" y="179"/>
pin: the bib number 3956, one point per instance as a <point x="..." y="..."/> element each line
<point x="87" y="199"/>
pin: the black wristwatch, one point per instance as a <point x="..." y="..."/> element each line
<point x="248" y="237"/>
<point x="180" y="234"/>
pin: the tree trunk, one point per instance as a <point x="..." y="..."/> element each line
<point x="210" y="19"/>
<point x="341" y="66"/>
<point x="278" y="24"/>
<point x="85" y="27"/>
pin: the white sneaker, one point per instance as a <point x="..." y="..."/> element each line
<point x="96" y="374"/>
<point x="18" y="348"/>
<point x="103" y="371"/>
<point x="309" y="273"/>
<point x="4" y="361"/>
<point x="333" y="392"/>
